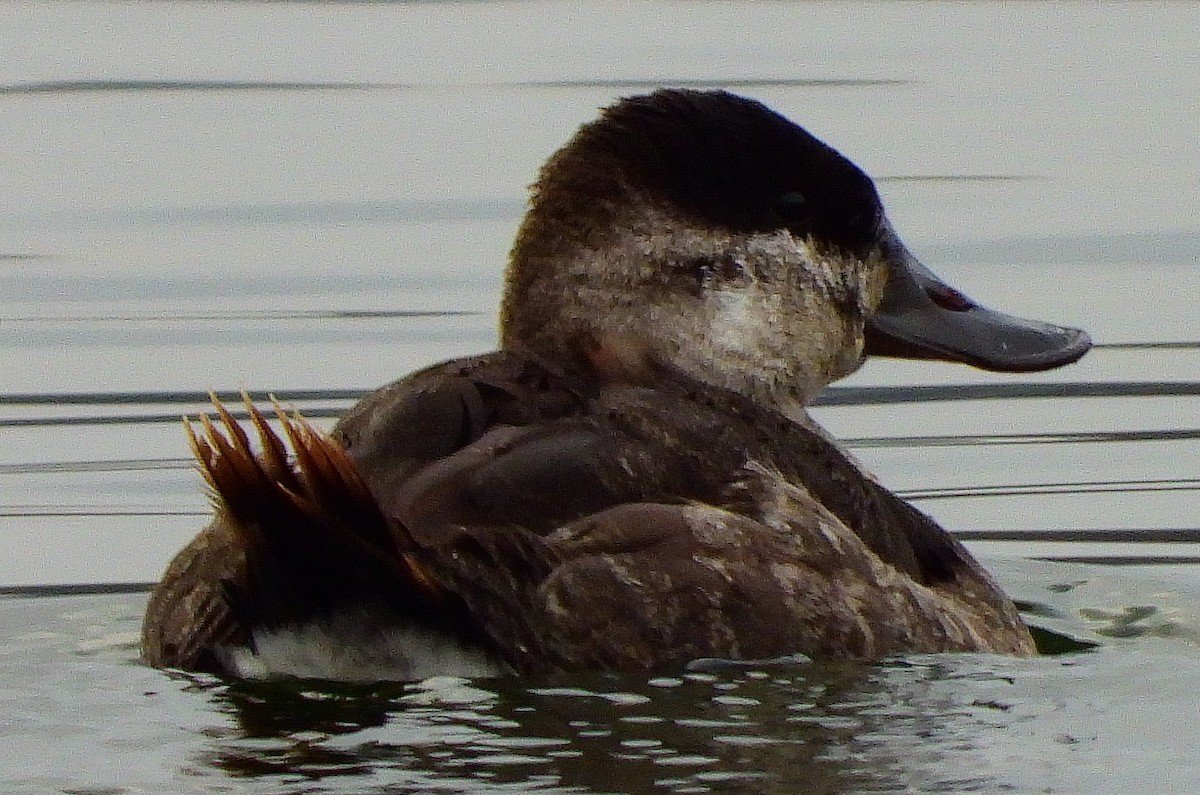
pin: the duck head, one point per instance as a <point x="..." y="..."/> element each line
<point x="702" y="233"/>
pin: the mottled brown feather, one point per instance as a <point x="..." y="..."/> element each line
<point x="450" y="549"/>
<point x="631" y="481"/>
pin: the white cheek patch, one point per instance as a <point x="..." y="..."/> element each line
<point x="732" y="324"/>
<point x="735" y="320"/>
<point x="745" y="325"/>
<point x="784" y="326"/>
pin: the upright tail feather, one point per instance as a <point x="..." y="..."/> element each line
<point x="315" y="537"/>
<point x="317" y="545"/>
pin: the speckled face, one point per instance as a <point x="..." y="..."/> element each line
<point x="703" y="233"/>
<point x="764" y="313"/>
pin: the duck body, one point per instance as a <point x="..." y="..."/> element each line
<point x="586" y="526"/>
<point x="631" y="482"/>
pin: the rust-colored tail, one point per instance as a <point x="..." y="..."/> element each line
<point x="315" y="538"/>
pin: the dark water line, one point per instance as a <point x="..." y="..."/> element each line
<point x="833" y="396"/>
<point x="745" y="82"/>
<point x="169" y="397"/>
<point x="137" y="419"/>
<point x="876" y="395"/>
<point x="92" y="86"/>
<point x="24" y="512"/>
<point x="95" y="86"/>
<point x="251" y="314"/>
<point x="872" y="442"/>
<point x="118" y="588"/>
<point x="959" y="178"/>
<point x="1122" y="560"/>
<point x="948" y="494"/>
<point x="101" y="465"/>
<point x="81" y="589"/>
<point x="1138" y="535"/>
<point x="1086" y="487"/>
<point x="1114" y="535"/>
<point x="1178" y="345"/>
<point x="1081" y="437"/>
<point x="287" y="213"/>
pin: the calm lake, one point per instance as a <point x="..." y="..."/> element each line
<point x="312" y="199"/>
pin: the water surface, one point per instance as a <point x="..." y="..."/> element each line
<point x="313" y="199"/>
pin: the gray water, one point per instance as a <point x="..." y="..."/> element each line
<point x="311" y="199"/>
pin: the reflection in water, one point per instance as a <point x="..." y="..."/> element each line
<point x="745" y="728"/>
<point x="948" y="723"/>
<point x="794" y="727"/>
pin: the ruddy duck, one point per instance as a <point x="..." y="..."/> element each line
<point x="631" y="481"/>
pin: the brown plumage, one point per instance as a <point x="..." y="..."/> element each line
<point x="583" y="531"/>
<point x="632" y="481"/>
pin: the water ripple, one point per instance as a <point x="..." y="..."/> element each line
<point x="99" y="86"/>
<point x="832" y="396"/>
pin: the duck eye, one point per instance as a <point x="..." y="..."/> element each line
<point x="714" y="271"/>
<point x="791" y="207"/>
